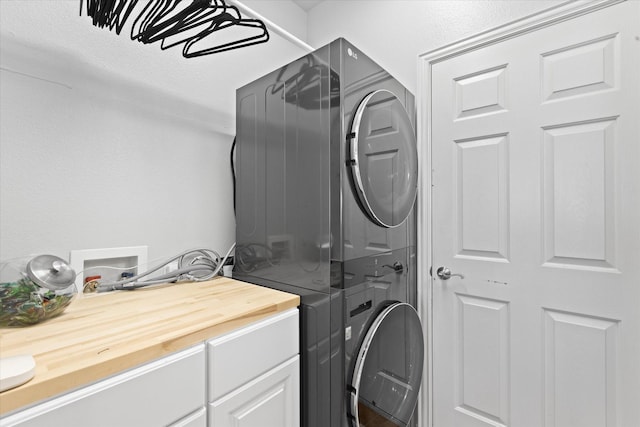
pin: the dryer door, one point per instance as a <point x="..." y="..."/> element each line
<point x="384" y="158"/>
<point x="388" y="369"/>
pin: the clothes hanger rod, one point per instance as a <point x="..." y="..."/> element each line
<point x="271" y="26"/>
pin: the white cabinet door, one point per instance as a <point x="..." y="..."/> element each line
<point x="197" y="419"/>
<point x="155" y="394"/>
<point x="536" y="201"/>
<point x="271" y="400"/>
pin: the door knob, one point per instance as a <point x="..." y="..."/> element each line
<point x="445" y="273"/>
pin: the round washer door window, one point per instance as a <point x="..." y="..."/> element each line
<point x="384" y="158"/>
<point x="388" y="369"/>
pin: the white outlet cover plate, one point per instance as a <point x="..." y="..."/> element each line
<point x="78" y="258"/>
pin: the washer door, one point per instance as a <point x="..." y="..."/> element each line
<point x="384" y="158"/>
<point x="388" y="369"/>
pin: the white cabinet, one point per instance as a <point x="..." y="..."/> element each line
<point x="254" y="375"/>
<point x="248" y="377"/>
<point x="158" y="393"/>
<point x="271" y="400"/>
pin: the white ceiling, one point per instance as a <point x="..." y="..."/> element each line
<point x="54" y="29"/>
<point x="308" y="4"/>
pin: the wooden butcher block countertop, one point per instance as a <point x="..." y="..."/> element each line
<point x="102" y="334"/>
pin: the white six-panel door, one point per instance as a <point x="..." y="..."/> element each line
<point x="535" y="200"/>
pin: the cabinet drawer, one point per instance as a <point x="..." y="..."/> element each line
<point x="252" y="351"/>
<point x="154" y="394"/>
<point x="271" y="400"/>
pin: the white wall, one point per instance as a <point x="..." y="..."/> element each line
<point x="91" y="160"/>
<point x="91" y="157"/>
<point x="107" y="142"/>
<point x="394" y="33"/>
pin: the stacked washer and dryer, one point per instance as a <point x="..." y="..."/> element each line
<point x="326" y="176"/>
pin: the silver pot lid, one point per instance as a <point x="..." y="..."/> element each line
<point x="51" y="272"/>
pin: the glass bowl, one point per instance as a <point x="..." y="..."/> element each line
<point x="34" y="289"/>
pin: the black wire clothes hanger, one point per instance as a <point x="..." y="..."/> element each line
<point x="109" y="13"/>
<point x="203" y="27"/>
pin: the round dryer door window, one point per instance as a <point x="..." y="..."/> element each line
<point x="384" y="158"/>
<point x="388" y="369"/>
